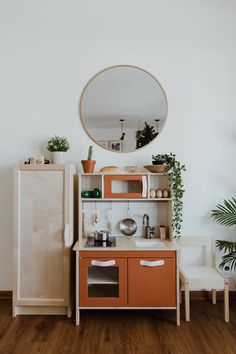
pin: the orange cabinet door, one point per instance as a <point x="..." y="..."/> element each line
<point x="125" y="186"/>
<point x="152" y="282"/>
<point x="103" y="282"/>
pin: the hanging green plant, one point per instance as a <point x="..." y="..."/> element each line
<point x="175" y="169"/>
<point x="225" y="214"/>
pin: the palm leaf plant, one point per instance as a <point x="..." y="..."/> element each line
<point x="225" y="214"/>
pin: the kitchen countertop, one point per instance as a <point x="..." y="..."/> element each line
<point x="124" y="243"/>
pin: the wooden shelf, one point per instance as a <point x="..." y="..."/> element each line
<point x="123" y="173"/>
<point x="126" y="199"/>
<point x="160" y="199"/>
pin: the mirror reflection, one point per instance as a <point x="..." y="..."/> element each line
<point x="123" y="108"/>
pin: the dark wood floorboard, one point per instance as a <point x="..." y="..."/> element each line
<point x="121" y="332"/>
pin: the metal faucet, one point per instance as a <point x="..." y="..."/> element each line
<point x="147" y="226"/>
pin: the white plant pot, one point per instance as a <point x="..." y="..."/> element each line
<point x="58" y="157"/>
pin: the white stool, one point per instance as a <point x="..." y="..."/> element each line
<point x="203" y="277"/>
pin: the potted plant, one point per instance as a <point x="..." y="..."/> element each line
<point x="58" y="146"/>
<point x="174" y="168"/>
<point x="88" y="165"/>
<point x="160" y="161"/>
<point x="225" y="214"/>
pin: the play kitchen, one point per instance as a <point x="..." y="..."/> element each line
<point x="136" y="266"/>
<point x="125" y="240"/>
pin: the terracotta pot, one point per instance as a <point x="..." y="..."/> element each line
<point x="88" y="165"/>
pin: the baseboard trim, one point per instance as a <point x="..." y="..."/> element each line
<point x="195" y="295"/>
<point x="205" y="295"/>
<point x="5" y="295"/>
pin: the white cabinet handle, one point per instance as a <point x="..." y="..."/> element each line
<point x="144" y="186"/>
<point x="152" y="263"/>
<point x="67" y="236"/>
<point x="103" y="263"/>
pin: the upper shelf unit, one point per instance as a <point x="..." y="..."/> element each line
<point x="129" y="186"/>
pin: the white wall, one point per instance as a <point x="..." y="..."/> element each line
<point x="50" y="49"/>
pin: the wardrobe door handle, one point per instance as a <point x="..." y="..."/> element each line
<point x="159" y="263"/>
<point x="67" y="236"/>
<point x="94" y="262"/>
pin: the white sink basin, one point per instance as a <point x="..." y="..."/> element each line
<point x="150" y="244"/>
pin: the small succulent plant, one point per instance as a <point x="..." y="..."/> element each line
<point x="57" y="143"/>
<point x="90" y="153"/>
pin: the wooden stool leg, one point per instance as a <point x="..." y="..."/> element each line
<point x="187" y="304"/>
<point x="226" y="300"/>
<point x="214" y="296"/>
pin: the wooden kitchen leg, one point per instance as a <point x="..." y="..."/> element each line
<point x="178" y="303"/>
<point x="180" y="293"/>
<point x="226" y="300"/>
<point x="214" y="296"/>
<point x="187" y="304"/>
<point x="77" y="317"/>
<point x="178" y="314"/>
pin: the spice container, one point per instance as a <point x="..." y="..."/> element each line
<point x="162" y="232"/>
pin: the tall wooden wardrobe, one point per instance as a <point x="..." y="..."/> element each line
<point x="43" y="239"/>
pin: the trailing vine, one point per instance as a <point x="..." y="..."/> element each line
<point x="175" y="169"/>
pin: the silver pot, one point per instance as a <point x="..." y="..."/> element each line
<point x="128" y="227"/>
<point x="102" y="235"/>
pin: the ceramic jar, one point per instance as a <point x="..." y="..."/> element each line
<point x="152" y="193"/>
<point x="162" y="232"/>
<point x="165" y="193"/>
<point x="159" y="193"/>
<point x="96" y="193"/>
<point x="58" y="157"/>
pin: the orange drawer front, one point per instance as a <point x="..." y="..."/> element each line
<point x="108" y="298"/>
<point x="152" y="282"/>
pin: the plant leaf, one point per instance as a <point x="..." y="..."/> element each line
<point x="225" y="214"/>
<point x="226" y="246"/>
<point x="228" y="260"/>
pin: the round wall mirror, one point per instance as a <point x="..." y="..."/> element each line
<point x="123" y="108"/>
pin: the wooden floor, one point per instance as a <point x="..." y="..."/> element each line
<point x="126" y="332"/>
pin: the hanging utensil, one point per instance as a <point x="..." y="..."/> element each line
<point x="109" y="218"/>
<point x="128" y="226"/>
<point x="95" y="215"/>
<point x="84" y="223"/>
